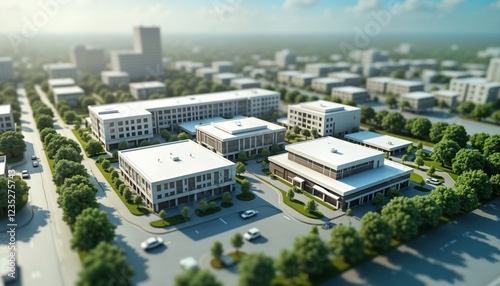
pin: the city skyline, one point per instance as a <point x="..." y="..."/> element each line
<point x="243" y="16"/>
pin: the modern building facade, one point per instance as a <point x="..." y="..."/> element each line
<point x="60" y="82"/>
<point x="447" y="97"/>
<point x="419" y="101"/>
<point x="285" y="58"/>
<point x="115" y="78"/>
<point x="223" y="66"/>
<point x="71" y="95"/>
<point x="135" y="121"/>
<point x="3" y="166"/>
<point x="329" y="118"/>
<point x="399" y="86"/>
<point x="206" y="73"/>
<point x="145" y="61"/>
<point x="173" y="174"/>
<point x="225" y="78"/>
<point x="385" y="143"/>
<point x="493" y="73"/>
<point x="377" y="85"/>
<point x="325" y="84"/>
<point x="229" y="138"/>
<point x="6" y="69"/>
<point x="320" y="69"/>
<point x="245" y="83"/>
<point x="302" y="79"/>
<point x="351" y="93"/>
<point x="347" y="78"/>
<point x="62" y="70"/>
<point x="340" y="173"/>
<point x="7" y="118"/>
<point x="88" y="59"/>
<point x="475" y="89"/>
<point x="285" y="77"/>
<point x="142" y="90"/>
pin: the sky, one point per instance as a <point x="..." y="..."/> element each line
<point x="26" y="17"/>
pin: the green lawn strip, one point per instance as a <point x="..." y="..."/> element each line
<point x="131" y="207"/>
<point x="51" y="162"/>
<point x="246" y="197"/>
<point x="217" y="263"/>
<point x="416" y="178"/>
<point x="207" y="211"/>
<point x="168" y="221"/>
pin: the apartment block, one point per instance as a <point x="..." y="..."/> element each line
<point x="244" y="83"/>
<point x="225" y="78"/>
<point x="7" y="118"/>
<point x="399" y="86"/>
<point x="325" y="84"/>
<point x="71" y="94"/>
<point x="223" y="66"/>
<point x="419" y="101"/>
<point x="62" y="70"/>
<point x="347" y="78"/>
<point x="142" y="90"/>
<point x="320" y="69"/>
<point x="285" y="77"/>
<point x="448" y="97"/>
<point x="351" y="93"/>
<point x="88" y="59"/>
<point x="285" y="58"/>
<point x="206" y="73"/>
<point x="115" y="78"/>
<point x="6" y="69"/>
<point x="475" y="89"/>
<point x="60" y="82"/>
<point x="377" y="85"/>
<point x="302" y="80"/>
<point x="494" y="70"/>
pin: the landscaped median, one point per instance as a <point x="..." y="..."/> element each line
<point x="168" y="221"/>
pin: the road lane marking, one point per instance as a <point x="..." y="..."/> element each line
<point x="222" y="220"/>
<point x="286" y="217"/>
<point x="168" y="242"/>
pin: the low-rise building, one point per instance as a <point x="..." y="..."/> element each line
<point x="176" y="173"/>
<point x="347" y="78"/>
<point x="351" y="93"/>
<point x="340" y="173"/>
<point x="303" y="79"/>
<point x="7" y="118"/>
<point x="418" y="101"/>
<point x="285" y="58"/>
<point x="223" y="66"/>
<point x="228" y="138"/>
<point x="475" y="89"/>
<point x="142" y="90"/>
<point x="285" y="77"/>
<point x="494" y="70"/>
<point x="115" y="78"/>
<point x="60" y="82"/>
<point x="6" y="69"/>
<point x="245" y="83"/>
<point x="448" y="98"/>
<point x="328" y="118"/>
<point x="225" y="78"/>
<point x="399" y="86"/>
<point x="62" y="70"/>
<point x="192" y="67"/>
<point x="320" y="69"/>
<point x="449" y="64"/>
<point x="206" y="73"/>
<point x="71" y="94"/>
<point x="377" y="85"/>
<point x="385" y="143"/>
<point x="88" y="59"/>
<point x="325" y="84"/>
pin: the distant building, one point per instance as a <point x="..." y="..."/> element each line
<point x="88" y="59"/>
<point x="245" y="83"/>
<point x="377" y="85"/>
<point x="489" y="52"/>
<point x="145" y="60"/>
<point x="142" y="90"/>
<point x="206" y="73"/>
<point x="340" y="173"/>
<point x="385" y="143"/>
<point x="369" y="56"/>
<point x="475" y="89"/>
<point x="229" y="138"/>
<point x="449" y="64"/>
<point x="351" y="93"/>
<point x="285" y="58"/>
<point x="419" y="101"/>
<point x="494" y="70"/>
<point x="320" y="69"/>
<point x="399" y="86"/>
<point x="302" y="80"/>
<point x="192" y="67"/>
<point x="325" y="84"/>
<point x="176" y="173"/>
<point x="60" y="82"/>
<point x="285" y="77"/>
<point x="347" y="78"/>
<point x="115" y="78"/>
<point x="448" y="97"/>
<point x="225" y="78"/>
<point x="223" y="66"/>
<point x="70" y="94"/>
<point x="62" y="70"/>
<point x="329" y="118"/>
<point x="6" y="69"/>
<point x="7" y="118"/>
<point x="404" y="49"/>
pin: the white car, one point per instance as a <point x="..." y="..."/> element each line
<point x="251" y="234"/>
<point x="433" y="181"/>
<point x="248" y="213"/>
<point x="35" y="163"/>
<point x="188" y="263"/>
<point x="25" y="174"/>
<point x="152" y="242"/>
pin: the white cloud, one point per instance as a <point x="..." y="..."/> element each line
<point x="297" y="4"/>
<point x="429" y="6"/>
<point x="495" y="5"/>
<point x="364" y="6"/>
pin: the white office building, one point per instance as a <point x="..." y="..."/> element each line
<point x="329" y="118"/>
<point x="325" y="84"/>
<point x="192" y="67"/>
<point x="88" y="59"/>
<point x="494" y="70"/>
<point x="173" y="174"/>
<point x="228" y="138"/>
<point x="400" y="86"/>
<point x="347" y="78"/>
<point x="145" y="60"/>
<point x="206" y="73"/>
<point x="245" y="83"/>
<point x="377" y="85"/>
<point x="223" y="66"/>
<point x="6" y="69"/>
<point x="475" y="89"/>
<point x="302" y="79"/>
<point x="60" y="82"/>
<point x="62" y="70"/>
<point x="340" y="173"/>
<point x="285" y="77"/>
<point x="7" y="118"/>
<point x="71" y="95"/>
<point x="285" y="58"/>
<point x="449" y="98"/>
<point x="115" y="78"/>
<point x="385" y="143"/>
<point x="320" y="69"/>
<point x="419" y="101"/>
<point x="225" y="78"/>
<point x="142" y="90"/>
<point x="351" y="93"/>
<point x="135" y="121"/>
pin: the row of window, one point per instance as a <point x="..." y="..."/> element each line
<point x="126" y="122"/>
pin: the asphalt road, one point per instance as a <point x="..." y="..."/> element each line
<point x="463" y="252"/>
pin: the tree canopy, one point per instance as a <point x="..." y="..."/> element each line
<point x="312" y="254"/>
<point x="456" y="133"/>
<point x="466" y="160"/>
<point x="287" y="264"/>
<point x="492" y="145"/>
<point x="394" y="122"/>
<point x="476" y="180"/>
<point x="437" y="131"/>
<point x="477" y="140"/>
<point x="403" y="217"/>
<point x="66" y="169"/>
<point x="346" y="242"/>
<point x="468" y="198"/>
<point x="447" y="199"/>
<point x="74" y="200"/>
<point x="91" y="227"/>
<point x="256" y="269"/>
<point x="196" y="277"/>
<point x="375" y="231"/>
<point x="445" y="151"/>
<point x="429" y="210"/>
<point x="12" y="143"/>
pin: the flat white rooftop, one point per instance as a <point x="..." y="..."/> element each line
<point x="234" y="128"/>
<point x="405" y="82"/>
<point x="321" y="150"/>
<point x="418" y="95"/>
<point x="327" y="80"/>
<point x="322" y="106"/>
<point x="5" y="109"/>
<point x="447" y="93"/>
<point x="68" y="90"/>
<point x="455" y="74"/>
<point x="61" y="81"/>
<point x="147" y="84"/>
<point x="290" y="73"/>
<point x="381" y="141"/>
<point x="320" y="65"/>
<point x="243" y="80"/>
<point x="350" y="89"/>
<point x="158" y="163"/>
<point x="381" y="79"/>
<point x="61" y="66"/>
<point x="473" y="80"/>
<point x="114" y="73"/>
<point x="121" y="110"/>
<point x="344" y="75"/>
<point x="190" y="126"/>
<point x="304" y="76"/>
<point x="226" y="75"/>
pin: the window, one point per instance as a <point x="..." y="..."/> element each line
<point x="159" y="196"/>
<point x="120" y="123"/>
<point x="111" y="124"/>
<point x="158" y="188"/>
<point x="138" y="121"/>
<point x="165" y="186"/>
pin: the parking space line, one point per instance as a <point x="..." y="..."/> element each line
<point x="222" y="220"/>
<point x="286" y="217"/>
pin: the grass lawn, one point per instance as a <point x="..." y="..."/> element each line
<point x="131" y="207"/>
<point x="168" y="221"/>
<point x="246" y="197"/>
<point x="442" y="168"/>
<point x="416" y="178"/>
<point x="236" y="256"/>
<point x="217" y="263"/>
<point x="84" y="144"/>
<point x="207" y="211"/>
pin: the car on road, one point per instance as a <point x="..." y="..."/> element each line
<point x="433" y="181"/>
<point x="251" y="234"/>
<point x="35" y="163"/>
<point x="248" y="213"/>
<point x="33" y="157"/>
<point x="327" y="225"/>
<point x="25" y="174"/>
<point x="151" y="243"/>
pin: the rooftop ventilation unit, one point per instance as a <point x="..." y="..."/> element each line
<point x="390" y="143"/>
<point x="238" y="123"/>
<point x="333" y="150"/>
<point x="174" y="158"/>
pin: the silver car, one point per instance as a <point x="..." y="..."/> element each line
<point x="152" y="242"/>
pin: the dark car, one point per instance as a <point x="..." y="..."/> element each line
<point x="327" y="225"/>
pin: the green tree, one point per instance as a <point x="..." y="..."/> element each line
<point x="429" y="210"/>
<point x="306" y="133"/>
<point x="275" y="148"/>
<point x="379" y="116"/>
<point x="162" y="214"/>
<point x="106" y="264"/>
<point x="492" y="166"/>
<point x="265" y="153"/>
<point x="404" y="158"/>
<point x="12" y="144"/>
<point x="465" y="108"/>
<point x="74" y="200"/>
<point x="312" y="254"/>
<point x="256" y="269"/>
<point x="437" y="130"/>
<point x="263" y="165"/>
<point x="405" y="105"/>
<point x="185" y="212"/>
<point x="240" y="168"/>
<point x="196" y="277"/>
<point x="447" y="199"/>
<point x="70" y="116"/>
<point x="367" y="113"/>
<point x="456" y="133"/>
<point x="226" y="198"/>
<point x="346" y="242"/>
<point x="105" y="164"/>
<point x="466" y="160"/>
<point x="410" y="149"/>
<point x="76" y="180"/>
<point x="403" y="217"/>
<point x="242" y="156"/>
<point x="492" y="145"/>
<point x="21" y="191"/>
<point x="237" y="241"/>
<point x="314" y="230"/>
<point x="217" y="250"/>
<point x="495" y="184"/>
<point x="477" y="140"/>
<point x="202" y="205"/>
<point x="123" y="145"/>
<point x="310" y="206"/>
<point x="445" y="151"/>
<point x="67" y="169"/>
<point x="393" y="193"/>
<point x="496" y="116"/>
<point x="182" y="136"/>
<point x="421" y="127"/>
<point x="296" y="129"/>
<point x="476" y="180"/>
<point x="44" y="121"/>
<point x="290" y="194"/>
<point x="91" y="227"/>
<point x="468" y="198"/>
<point x="420" y="145"/>
<point x="419" y="161"/>
<point x="375" y="231"/>
<point x="314" y="132"/>
<point x="394" y="122"/>
<point x="431" y="171"/>
<point x="481" y="111"/>
<point x="67" y="153"/>
<point x="378" y="200"/>
<point x="165" y="135"/>
<point x="287" y="264"/>
<point x="245" y="186"/>
<point x="137" y="200"/>
<point x="59" y="141"/>
<point x="127" y="195"/>
<point x="391" y="101"/>
<point x="45" y="132"/>
<point x="114" y="174"/>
